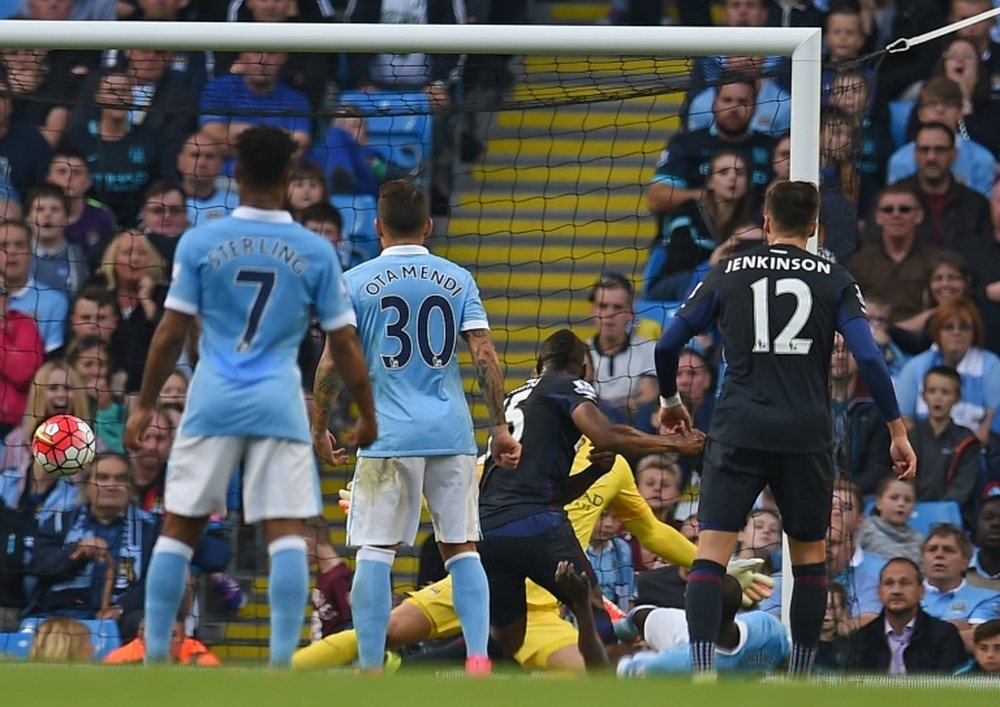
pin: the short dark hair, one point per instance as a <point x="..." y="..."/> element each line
<point x="264" y="157"/>
<point x="96" y="292"/>
<point x="403" y="209"/>
<point x="905" y="561"/>
<point x="322" y="212"/>
<point x="161" y="187"/>
<point x="946" y="372"/>
<point x="794" y="207"/>
<point x="935" y="125"/>
<point x="67" y="151"/>
<point x="611" y="281"/>
<point x="946" y="530"/>
<point x="986" y="630"/>
<point x="943" y="89"/>
<point x="898" y="189"/>
<point x="49" y="191"/>
<point x="561" y="351"/>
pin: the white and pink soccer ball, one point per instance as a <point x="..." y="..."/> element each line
<point x="63" y="445"/>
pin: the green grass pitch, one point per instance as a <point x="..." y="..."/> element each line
<point x="29" y="685"/>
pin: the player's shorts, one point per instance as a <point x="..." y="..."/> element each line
<point x="436" y="603"/>
<point x="386" y="493"/>
<point x="279" y="477"/>
<point x="733" y="477"/>
<point x="547" y="633"/>
<point x="509" y="560"/>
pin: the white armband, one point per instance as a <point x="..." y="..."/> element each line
<point x="673" y="401"/>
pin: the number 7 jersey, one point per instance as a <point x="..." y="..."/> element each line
<point x="255" y="279"/>
<point x="411" y="308"/>
<point x="777" y="308"/>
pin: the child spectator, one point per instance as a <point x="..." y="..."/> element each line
<point x="658" y="479"/>
<point x="761" y="536"/>
<point x="324" y="219"/>
<point x="306" y="188"/>
<point x="887" y="533"/>
<point x="949" y="453"/>
<point x="330" y="598"/>
<point x="91" y="360"/>
<point x="348" y="162"/>
<point x="843" y="35"/>
<point x="611" y="558"/>
<point x="986" y="650"/>
<point x="58" y="263"/>
<point x="90" y="224"/>
<point x="21" y="354"/>
<point x="60" y="639"/>
<point x="880" y="322"/>
<point x="834" y="646"/>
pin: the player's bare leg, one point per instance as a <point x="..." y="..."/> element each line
<point x="808" y="602"/>
<point x="407" y="625"/>
<point x="471" y="599"/>
<point x="704" y="598"/>
<point x="288" y="585"/>
<point x="166" y="579"/>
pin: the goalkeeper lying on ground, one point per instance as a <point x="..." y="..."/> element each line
<point x="550" y="641"/>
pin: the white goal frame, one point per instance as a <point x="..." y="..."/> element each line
<point x="802" y="44"/>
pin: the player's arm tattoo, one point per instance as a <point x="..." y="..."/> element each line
<point x="326" y="389"/>
<point x="488" y="373"/>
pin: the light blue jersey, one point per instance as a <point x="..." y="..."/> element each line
<point x="763" y="645"/>
<point x="411" y="307"/>
<point x="255" y="278"/>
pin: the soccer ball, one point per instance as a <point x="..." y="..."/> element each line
<point x="63" y="445"/>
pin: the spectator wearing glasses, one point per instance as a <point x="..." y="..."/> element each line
<point x="897" y="267"/>
<point x="956" y="213"/>
<point x="164" y="218"/>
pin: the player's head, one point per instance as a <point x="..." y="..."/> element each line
<point x="791" y="210"/>
<point x="264" y="157"/>
<point x="403" y="214"/>
<point x="563" y="351"/>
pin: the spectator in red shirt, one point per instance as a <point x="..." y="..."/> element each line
<point x="21" y="354"/>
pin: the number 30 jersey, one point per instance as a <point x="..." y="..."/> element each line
<point x="254" y="279"/>
<point x="777" y="308"/>
<point x="411" y="309"/>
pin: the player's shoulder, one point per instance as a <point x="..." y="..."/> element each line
<point x="562" y="382"/>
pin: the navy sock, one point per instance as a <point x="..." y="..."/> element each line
<point x="806" y="615"/>
<point x="704" y="612"/>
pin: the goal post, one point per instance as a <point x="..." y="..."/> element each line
<point x="802" y="45"/>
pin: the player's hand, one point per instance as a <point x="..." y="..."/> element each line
<point x="364" y="432"/>
<point x="604" y="460"/>
<point x="136" y="426"/>
<point x="688" y="443"/>
<point x="573" y="584"/>
<point x="325" y="445"/>
<point x="504" y="449"/>
<point x="756" y="586"/>
<point x="344" y="497"/>
<point x="904" y="459"/>
<point x="675" y="419"/>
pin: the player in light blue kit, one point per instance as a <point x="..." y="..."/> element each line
<point x="411" y="308"/>
<point x="750" y="642"/>
<point x="254" y="279"/>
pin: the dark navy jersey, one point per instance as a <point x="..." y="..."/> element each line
<point x="540" y="415"/>
<point x="686" y="161"/>
<point x="777" y="308"/>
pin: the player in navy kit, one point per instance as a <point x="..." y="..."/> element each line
<point x="777" y="307"/>
<point x="525" y="530"/>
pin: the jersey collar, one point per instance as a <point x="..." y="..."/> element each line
<point x="407" y="249"/>
<point x="252" y="213"/>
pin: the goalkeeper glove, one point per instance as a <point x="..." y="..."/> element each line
<point x="756" y="586"/>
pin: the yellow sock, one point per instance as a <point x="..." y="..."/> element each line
<point x="333" y="651"/>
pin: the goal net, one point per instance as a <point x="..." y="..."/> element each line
<point x="537" y="164"/>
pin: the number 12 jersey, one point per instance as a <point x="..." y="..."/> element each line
<point x="777" y="308"/>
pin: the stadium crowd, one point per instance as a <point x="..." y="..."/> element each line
<point x="106" y="158"/>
